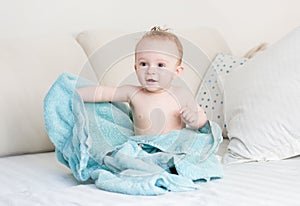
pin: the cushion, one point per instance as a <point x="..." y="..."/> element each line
<point x="28" y="68"/>
<point x="111" y="54"/>
<point x="210" y="95"/>
<point x="261" y="104"/>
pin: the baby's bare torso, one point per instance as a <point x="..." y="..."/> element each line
<point x="155" y="113"/>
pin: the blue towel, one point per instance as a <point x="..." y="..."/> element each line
<point x="96" y="141"/>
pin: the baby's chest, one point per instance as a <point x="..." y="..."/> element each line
<point x="164" y="106"/>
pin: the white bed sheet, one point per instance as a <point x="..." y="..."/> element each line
<point x="38" y="179"/>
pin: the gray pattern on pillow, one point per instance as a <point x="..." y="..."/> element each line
<point x="210" y="94"/>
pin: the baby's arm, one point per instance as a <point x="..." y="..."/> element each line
<point x="195" y="119"/>
<point x="106" y="93"/>
<point x="191" y="113"/>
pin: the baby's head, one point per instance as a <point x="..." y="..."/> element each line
<point x="163" y="37"/>
<point x="158" y="57"/>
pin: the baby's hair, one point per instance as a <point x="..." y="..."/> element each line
<point x="158" y="28"/>
<point x="157" y="32"/>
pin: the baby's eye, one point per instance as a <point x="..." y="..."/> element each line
<point x="161" y="65"/>
<point x="143" y="64"/>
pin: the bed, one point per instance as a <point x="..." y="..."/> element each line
<point x="38" y="179"/>
<point x="260" y="159"/>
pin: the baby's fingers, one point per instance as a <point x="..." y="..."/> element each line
<point x="186" y="115"/>
<point x="183" y="110"/>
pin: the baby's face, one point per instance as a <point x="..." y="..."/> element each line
<point x="156" y="64"/>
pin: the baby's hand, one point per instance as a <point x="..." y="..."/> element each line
<point x="194" y="119"/>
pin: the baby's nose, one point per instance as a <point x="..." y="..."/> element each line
<point x="151" y="70"/>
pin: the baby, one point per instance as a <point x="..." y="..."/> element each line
<point x="157" y="106"/>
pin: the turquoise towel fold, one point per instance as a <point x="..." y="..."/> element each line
<point x="96" y="141"/>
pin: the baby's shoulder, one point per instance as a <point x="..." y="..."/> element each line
<point x="184" y="95"/>
<point x="130" y="90"/>
<point x="181" y="91"/>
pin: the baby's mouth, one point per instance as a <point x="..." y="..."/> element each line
<point x="151" y="80"/>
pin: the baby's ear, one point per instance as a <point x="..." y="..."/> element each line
<point x="179" y="69"/>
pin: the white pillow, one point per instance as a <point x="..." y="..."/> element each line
<point x="210" y="95"/>
<point x="262" y="104"/>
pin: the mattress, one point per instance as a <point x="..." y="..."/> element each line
<point x="39" y="179"/>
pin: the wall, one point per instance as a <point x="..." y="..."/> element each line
<point x="243" y="24"/>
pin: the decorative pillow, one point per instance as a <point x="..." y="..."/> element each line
<point x="210" y="95"/>
<point x="261" y="102"/>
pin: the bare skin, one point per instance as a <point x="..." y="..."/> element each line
<point x="157" y="106"/>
